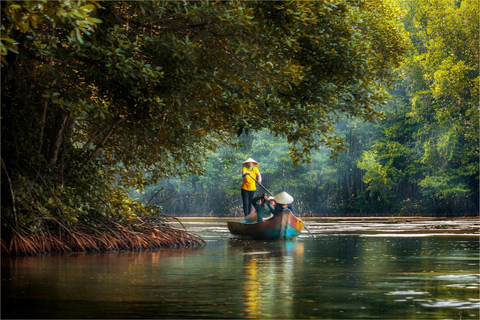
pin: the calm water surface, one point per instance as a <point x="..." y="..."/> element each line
<point x="350" y="269"/>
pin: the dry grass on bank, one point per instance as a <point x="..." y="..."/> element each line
<point x="139" y="235"/>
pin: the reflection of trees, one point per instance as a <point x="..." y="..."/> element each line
<point x="269" y="269"/>
<point x="88" y="276"/>
<point x="357" y="277"/>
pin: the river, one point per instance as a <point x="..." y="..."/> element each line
<point x="340" y="269"/>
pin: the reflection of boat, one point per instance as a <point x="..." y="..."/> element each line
<point x="267" y="249"/>
<point x="282" y="226"/>
<point x="269" y="270"/>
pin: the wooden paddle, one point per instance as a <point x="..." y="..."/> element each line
<point x="271" y="194"/>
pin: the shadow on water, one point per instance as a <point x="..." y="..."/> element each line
<point x="334" y="275"/>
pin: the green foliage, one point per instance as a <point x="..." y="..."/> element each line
<point x="99" y="97"/>
<point x="376" y="174"/>
<point x="444" y="100"/>
<point x="421" y="159"/>
<point x="103" y="97"/>
<point x="325" y="185"/>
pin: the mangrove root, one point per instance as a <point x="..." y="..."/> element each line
<point x="139" y="235"/>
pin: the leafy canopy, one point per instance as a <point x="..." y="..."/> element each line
<point x="113" y="93"/>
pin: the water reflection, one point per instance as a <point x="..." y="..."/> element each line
<point x="251" y="288"/>
<point x="330" y="276"/>
<point x="269" y="269"/>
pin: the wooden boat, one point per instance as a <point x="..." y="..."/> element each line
<point x="282" y="226"/>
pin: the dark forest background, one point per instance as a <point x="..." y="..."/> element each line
<point x="422" y="159"/>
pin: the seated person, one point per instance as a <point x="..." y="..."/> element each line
<point x="277" y="206"/>
<point x="284" y="203"/>
<point x="263" y="207"/>
<point x="272" y="201"/>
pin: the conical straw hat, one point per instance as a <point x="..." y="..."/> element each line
<point x="251" y="160"/>
<point x="283" y="198"/>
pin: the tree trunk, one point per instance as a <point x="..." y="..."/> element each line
<point x="57" y="136"/>
<point x="43" y="119"/>
<point x="70" y="126"/>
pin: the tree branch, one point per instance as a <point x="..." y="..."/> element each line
<point x="179" y="28"/>
<point x="156" y="193"/>
<point x="93" y="138"/>
<point x="101" y="144"/>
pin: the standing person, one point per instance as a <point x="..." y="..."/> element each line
<point x="250" y="173"/>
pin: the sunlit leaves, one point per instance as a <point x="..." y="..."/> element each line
<point x="28" y="16"/>
<point x="429" y="146"/>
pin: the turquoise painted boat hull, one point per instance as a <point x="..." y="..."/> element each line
<point x="282" y="226"/>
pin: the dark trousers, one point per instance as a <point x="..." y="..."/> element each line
<point x="247" y="197"/>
